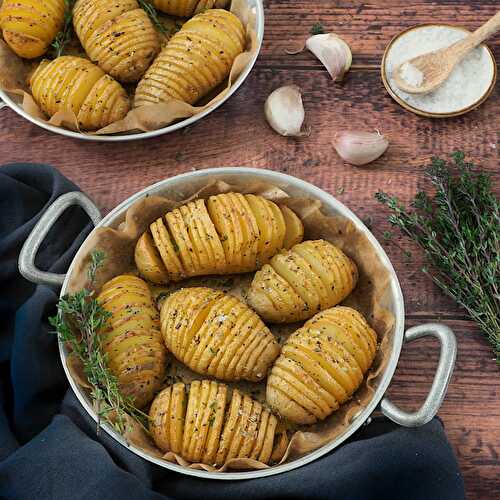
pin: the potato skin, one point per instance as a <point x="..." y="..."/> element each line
<point x="228" y="233"/>
<point x="74" y="84"/>
<point x="132" y="339"/>
<point x="321" y="365"/>
<point x="201" y="428"/>
<point x="118" y="36"/>
<point x="29" y="26"/>
<point x="297" y="283"/>
<point x="215" y="334"/>
<point x="195" y="60"/>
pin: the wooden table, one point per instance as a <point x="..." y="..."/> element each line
<point x="237" y="134"/>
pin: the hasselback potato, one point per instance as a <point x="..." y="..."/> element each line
<point x="29" y="26"/>
<point x="215" y="334"/>
<point x="131" y="338"/>
<point x="117" y="35"/>
<point x="186" y="8"/>
<point x="321" y="365"/>
<point x="195" y="60"/>
<point x="74" y="84"/>
<point x="299" y="282"/>
<point x="228" y="233"/>
<point x="200" y="428"/>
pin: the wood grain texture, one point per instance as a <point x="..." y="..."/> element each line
<point x="237" y="135"/>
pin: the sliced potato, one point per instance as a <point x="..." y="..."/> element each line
<point x="118" y="36"/>
<point x="131" y="338"/>
<point x="321" y="365"/>
<point x="228" y="233"/>
<point x="297" y="283"/>
<point x="29" y="26"/>
<point x="201" y="429"/>
<point x="195" y="60"/>
<point x="73" y="84"/>
<point x="216" y="334"/>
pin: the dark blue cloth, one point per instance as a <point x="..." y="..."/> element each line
<point x="48" y="445"/>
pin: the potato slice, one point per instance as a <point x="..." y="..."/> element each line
<point x="321" y="365"/>
<point x="294" y="232"/>
<point x="167" y="250"/>
<point x="148" y="260"/>
<point x="214" y="333"/>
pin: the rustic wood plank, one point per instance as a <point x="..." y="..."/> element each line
<point x="366" y="26"/>
<point x="237" y="135"/>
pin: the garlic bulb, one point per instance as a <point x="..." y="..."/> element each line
<point x="360" y="148"/>
<point x="284" y="110"/>
<point x="333" y="52"/>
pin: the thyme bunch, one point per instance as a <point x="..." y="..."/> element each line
<point x="78" y="321"/>
<point x="63" y="38"/>
<point x="459" y="231"/>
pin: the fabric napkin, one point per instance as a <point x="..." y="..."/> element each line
<point x="48" y="445"/>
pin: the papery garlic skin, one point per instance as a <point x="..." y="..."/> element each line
<point x="284" y="110"/>
<point x="360" y="148"/>
<point x="333" y="52"/>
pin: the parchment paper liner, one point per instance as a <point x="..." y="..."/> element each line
<point x="14" y="74"/>
<point x="371" y="297"/>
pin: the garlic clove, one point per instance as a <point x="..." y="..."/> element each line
<point x="333" y="52"/>
<point x="360" y="148"/>
<point x="284" y="110"/>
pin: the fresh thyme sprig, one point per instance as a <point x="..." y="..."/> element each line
<point x="459" y="230"/>
<point x="64" y="36"/>
<point x="153" y="15"/>
<point x="77" y="322"/>
<point x="317" y="29"/>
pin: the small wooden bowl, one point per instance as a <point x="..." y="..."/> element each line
<point x="428" y="114"/>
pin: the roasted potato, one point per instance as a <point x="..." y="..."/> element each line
<point x="29" y="26"/>
<point x="321" y="365"/>
<point x="74" y="84"/>
<point x="186" y="8"/>
<point x="297" y="283"/>
<point x="195" y="60"/>
<point x="199" y="427"/>
<point x="131" y="338"/>
<point x="228" y="233"/>
<point x="117" y="35"/>
<point x="215" y="334"/>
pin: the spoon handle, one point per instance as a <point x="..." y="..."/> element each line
<point x="474" y="39"/>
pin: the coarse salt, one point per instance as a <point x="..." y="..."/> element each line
<point x="411" y="74"/>
<point x="466" y="85"/>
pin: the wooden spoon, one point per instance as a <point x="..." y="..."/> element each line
<point x="431" y="70"/>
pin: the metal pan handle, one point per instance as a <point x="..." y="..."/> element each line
<point x="441" y="380"/>
<point x="26" y="262"/>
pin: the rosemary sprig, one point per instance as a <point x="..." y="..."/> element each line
<point x="64" y="36"/>
<point x="78" y="321"/>
<point x="153" y="15"/>
<point x="459" y="231"/>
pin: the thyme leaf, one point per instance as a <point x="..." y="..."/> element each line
<point x="63" y="37"/>
<point x="317" y="29"/>
<point x="459" y="231"/>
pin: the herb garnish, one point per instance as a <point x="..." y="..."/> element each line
<point x="317" y="29"/>
<point x="459" y="230"/>
<point x="78" y="321"/>
<point x="153" y="15"/>
<point x="64" y="36"/>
